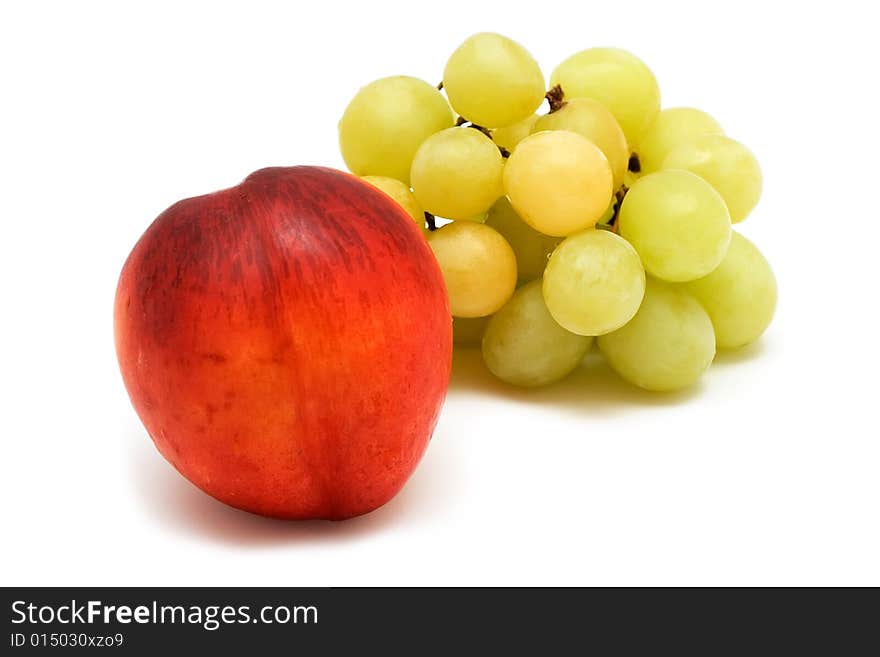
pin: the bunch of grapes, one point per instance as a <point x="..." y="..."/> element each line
<point x="604" y="219"/>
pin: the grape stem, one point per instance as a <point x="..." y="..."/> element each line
<point x="634" y="165"/>
<point x="555" y="98"/>
<point x="618" y="201"/>
<point x="470" y="124"/>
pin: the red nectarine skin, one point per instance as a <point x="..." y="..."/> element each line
<point x="287" y="342"/>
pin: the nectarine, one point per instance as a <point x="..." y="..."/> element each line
<point x="287" y="342"/>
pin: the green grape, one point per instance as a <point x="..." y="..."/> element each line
<point x="524" y="346"/>
<point x="617" y="79"/>
<point x="591" y="119"/>
<point x="402" y="195"/>
<point x="677" y="223"/>
<point x="456" y="173"/>
<point x="674" y="126"/>
<point x="725" y="164"/>
<point x="558" y="181"/>
<point x="468" y="331"/>
<point x="509" y="136"/>
<point x="740" y="295"/>
<point x="667" y="345"/>
<point x="387" y="121"/>
<point x="478" y="265"/>
<point x="493" y="81"/>
<point x="594" y="282"/>
<point x="532" y="248"/>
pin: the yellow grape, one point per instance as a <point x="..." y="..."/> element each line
<point x="402" y="194"/>
<point x="617" y="79"/>
<point x="493" y="81"/>
<point x="725" y="164"/>
<point x="674" y="126"/>
<point x="677" y="223"/>
<point x="477" y="218"/>
<point x="594" y="282"/>
<point x="532" y="248"/>
<point x="589" y="118"/>
<point x="478" y="266"/>
<point x="524" y="346"/>
<point x="456" y="173"/>
<point x="667" y="345"/>
<point x="387" y="121"/>
<point x="740" y="295"/>
<point x="608" y="215"/>
<point x="509" y="136"/>
<point x="558" y="181"/>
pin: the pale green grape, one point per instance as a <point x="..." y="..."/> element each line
<point x="558" y="181"/>
<point x="740" y="295"/>
<point x="617" y="79"/>
<point x="594" y="282"/>
<point x="387" y="121"/>
<point x="524" y="346"/>
<point x="677" y="223"/>
<point x="456" y="173"/>
<point x="667" y="345"/>
<point x="402" y="194"/>
<point x="478" y="265"/>
<point x="725" y="164"/>
<point x="509" y="136"/>
<point x="674" y="126"/>
<point x="532" y="248"/>
<point x="591" y="119"/>
<point x="493" y="81"/>
<point x="468" y="331"/>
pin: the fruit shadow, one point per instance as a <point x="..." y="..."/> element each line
<point x="593" y="387"/>
<point x="745" y="354"/>
<point x="177" y="506"/>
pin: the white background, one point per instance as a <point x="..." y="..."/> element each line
<point x="767" y="473"/>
